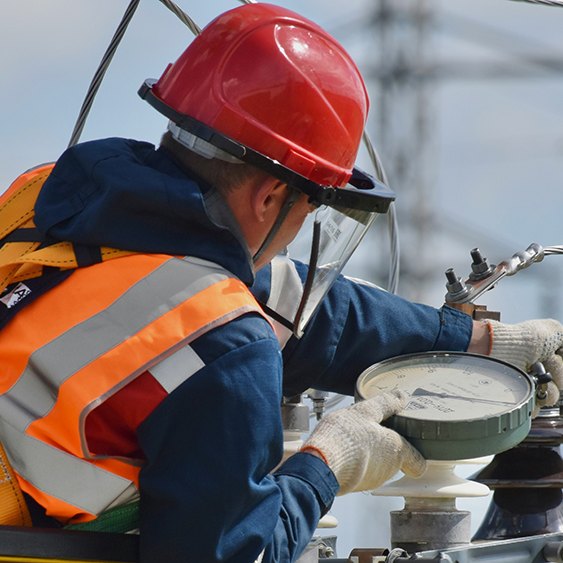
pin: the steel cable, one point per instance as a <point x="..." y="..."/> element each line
<point x="557" y="3"/>
<point x="101" y="71"/>
<point x="184" y="18"/>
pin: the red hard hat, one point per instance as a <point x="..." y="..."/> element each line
<point x="277" y="83"/>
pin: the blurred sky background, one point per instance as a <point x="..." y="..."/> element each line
<point x="467" y="115"/>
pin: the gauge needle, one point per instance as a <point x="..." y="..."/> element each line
<point x="424" y="392"/>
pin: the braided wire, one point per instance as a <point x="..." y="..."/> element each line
<point x="183" y="16"/>
<point x="101" y="71"/>
<point x="557" y="3"/>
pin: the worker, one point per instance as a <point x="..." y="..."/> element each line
<point x="158" y="374"/>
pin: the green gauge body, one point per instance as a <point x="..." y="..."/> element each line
<point x="461" y="405"/>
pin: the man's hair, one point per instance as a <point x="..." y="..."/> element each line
<point x="224" y="176"/>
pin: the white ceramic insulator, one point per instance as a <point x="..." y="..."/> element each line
<point x="438" y="481"/>
<point x="328" y="521"/>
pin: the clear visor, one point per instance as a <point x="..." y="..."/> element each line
<point x="336" y="235"/>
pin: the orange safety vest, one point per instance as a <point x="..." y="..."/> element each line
<point x="77" y="345"/>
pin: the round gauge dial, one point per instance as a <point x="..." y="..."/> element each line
<point x="461" y="405"/>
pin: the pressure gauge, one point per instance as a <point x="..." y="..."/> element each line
<point x="461" y="405"/>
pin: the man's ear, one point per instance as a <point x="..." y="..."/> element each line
<point x="267" y="198"/>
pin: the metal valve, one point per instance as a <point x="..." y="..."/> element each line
<point x="542" y="378"/>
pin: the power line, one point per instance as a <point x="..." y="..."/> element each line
<point x="556" y="3"/>
<point x="504" y="42"/>
<point x="509" y="43"/>
<point x="408" y="72"/>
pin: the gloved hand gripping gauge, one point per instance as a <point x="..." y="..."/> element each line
<point x="462" y="405"/>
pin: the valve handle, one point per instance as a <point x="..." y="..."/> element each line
<point x="541" y="378"/>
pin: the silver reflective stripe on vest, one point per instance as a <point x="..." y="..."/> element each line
<point x="67" y="478"/>
<point x="174" y="370"/>
<point x="35" y="392"/>
<point x="286" y="290"/>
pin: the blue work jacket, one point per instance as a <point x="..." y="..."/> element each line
<point x="209" y="488"/>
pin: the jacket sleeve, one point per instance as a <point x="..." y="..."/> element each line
<point x="207" y="490"/>
<point x="356" y="326"/>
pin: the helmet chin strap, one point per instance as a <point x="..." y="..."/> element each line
<point x="292" y="197"/>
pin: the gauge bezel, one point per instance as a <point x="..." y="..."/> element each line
<point x="462" y="438"/>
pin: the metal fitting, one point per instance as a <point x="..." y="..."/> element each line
<point x="295" y="414"/>
<point x="319" y="402"/>
<point x="553" y="552"/>
<point x="455" y="286"/>
<point x="541" y="378"/>
<point x="480" y="268"/>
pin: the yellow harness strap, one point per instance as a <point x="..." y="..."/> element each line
<point x="13" y="509"/>
<point x="24" y="260"/>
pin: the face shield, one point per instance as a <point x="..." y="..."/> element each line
<point x="338" y="229"/>
<point x="337" y="232"/>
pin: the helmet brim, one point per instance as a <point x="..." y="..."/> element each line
<point x="363" y="192"/>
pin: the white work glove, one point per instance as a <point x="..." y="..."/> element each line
<point x="361" y="453"/>
<point x="529" y="342"/>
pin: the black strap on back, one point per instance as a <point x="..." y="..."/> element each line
<point x="87" y="255"/>
<point x="24" y="235"/>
